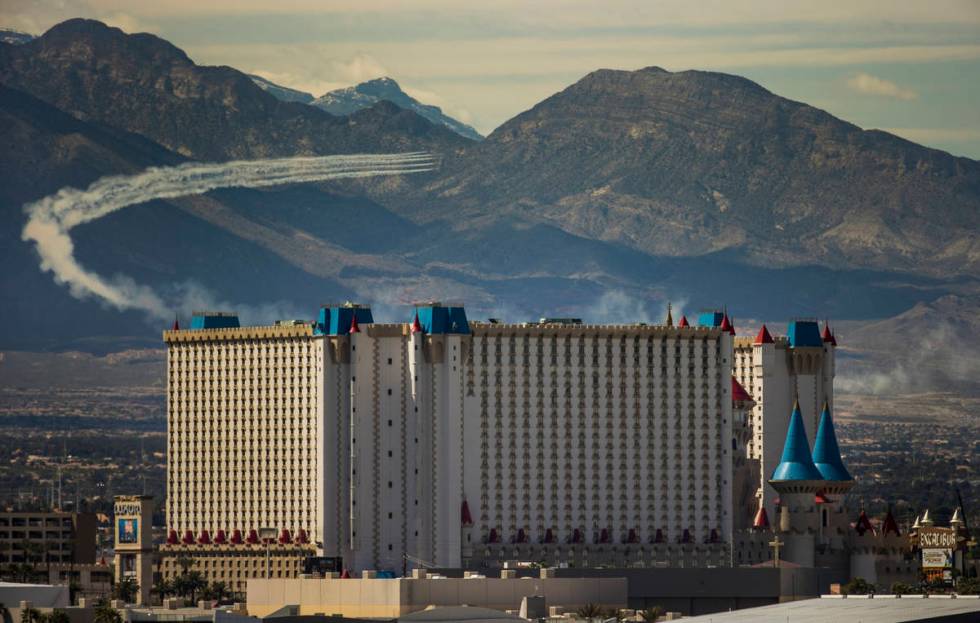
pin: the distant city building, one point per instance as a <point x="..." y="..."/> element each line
<point x="47" y="537"/>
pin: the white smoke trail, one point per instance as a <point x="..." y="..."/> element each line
<point x="51" y="218"/>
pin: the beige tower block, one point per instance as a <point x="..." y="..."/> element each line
<point x="133" y="530"/>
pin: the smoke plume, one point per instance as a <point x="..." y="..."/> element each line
<point x="51" y="218"/>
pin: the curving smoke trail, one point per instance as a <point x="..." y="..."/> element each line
<point x="51" y="218"/>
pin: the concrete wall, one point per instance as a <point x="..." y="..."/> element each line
<point x="705" y="591"/>
<point x="395" y="597"/>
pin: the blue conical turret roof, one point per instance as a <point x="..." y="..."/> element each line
<point x="826" y="452"/>
<point x="796" y="462"/>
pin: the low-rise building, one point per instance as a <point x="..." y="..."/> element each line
<point x="373" y="597"/>
<point x="47" y="537"/>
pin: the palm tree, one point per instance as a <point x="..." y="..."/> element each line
<point x="30" y="615"/>
<point x="126" y="590"/>
<point x="589" y="611"/>
<point x="189" y="584"/>
<point x="612" y="613"/>
<point x="58" y="616"/>
<point x="185" y="563"/>
<point x="218" y="591"/>
<point x="104" y="613"/>
<point x="164" y="588"/>
<point x="652" y="614"/>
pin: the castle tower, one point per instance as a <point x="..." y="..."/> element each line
<point x="797" y="480"/>
<point x="133" y="526"/>
<point x="837" y="481"/>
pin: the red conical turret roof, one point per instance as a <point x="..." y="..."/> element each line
<point x="176" y="325"/>
<point x="353" y="324"/>
<point x="345" y="575"/>
<point x="863" y="524"/>
<point x="683" y="322"/>
<point x="465" y="516"/>
<point x="738" y="392"/>
<point x="890" y="525"/>
<point x="761" y="521"/>
<point x="826" y="336"/>
<point x="726" y="324"/>
<point x="416" y="327"/>
<point x="763" y="337"/>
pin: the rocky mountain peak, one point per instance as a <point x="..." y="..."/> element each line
<point x="350" y="99"/>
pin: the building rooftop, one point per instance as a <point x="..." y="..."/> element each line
<point x="880" y="609"/>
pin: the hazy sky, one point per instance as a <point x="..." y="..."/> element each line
<point x="912" y="68"/>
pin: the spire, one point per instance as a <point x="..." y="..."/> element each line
<point x="353" y="324"/>
<point x="670" y="319"/>
<point x="176" y="325"/>
<point x="683" y="322"/>
<point x="761" y="521"/>
<point x="826" y="336"/>
<point x="763" y="337"/>
<point x="915" y="526"/>
<point x="465" y="516"/>
<point x="726" y="324"/>
<point x="738" y="392"/>
<point x="926" y="519"/>
<point x="826" y="452"/>
<point x="863" y="524"/>
<point x="956" y="519"/>
<point x="416" y="327"/>
<point x="796" y="462"/>
<point x="890" y="525"/>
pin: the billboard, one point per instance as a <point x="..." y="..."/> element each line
<point x="937" y="538"/>
<point x="936" y="558"/>
<point x="127" y="530"/>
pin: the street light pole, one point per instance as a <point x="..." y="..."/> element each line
<point x="268" y="534"/>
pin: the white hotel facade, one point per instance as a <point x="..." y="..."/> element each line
<point x="450" y="443"/>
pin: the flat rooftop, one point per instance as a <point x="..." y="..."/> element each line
<point x="880" y="609"/>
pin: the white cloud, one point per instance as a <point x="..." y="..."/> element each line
<point x="434" y="99"/>
<point x="872" y="85"/>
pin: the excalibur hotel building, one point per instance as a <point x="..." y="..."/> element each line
<point x="444" y="442"/>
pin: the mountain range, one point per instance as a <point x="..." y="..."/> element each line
<point x="351" y="99"/>
<point x="623" y="191"/>
<point x="365" y="95"/>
